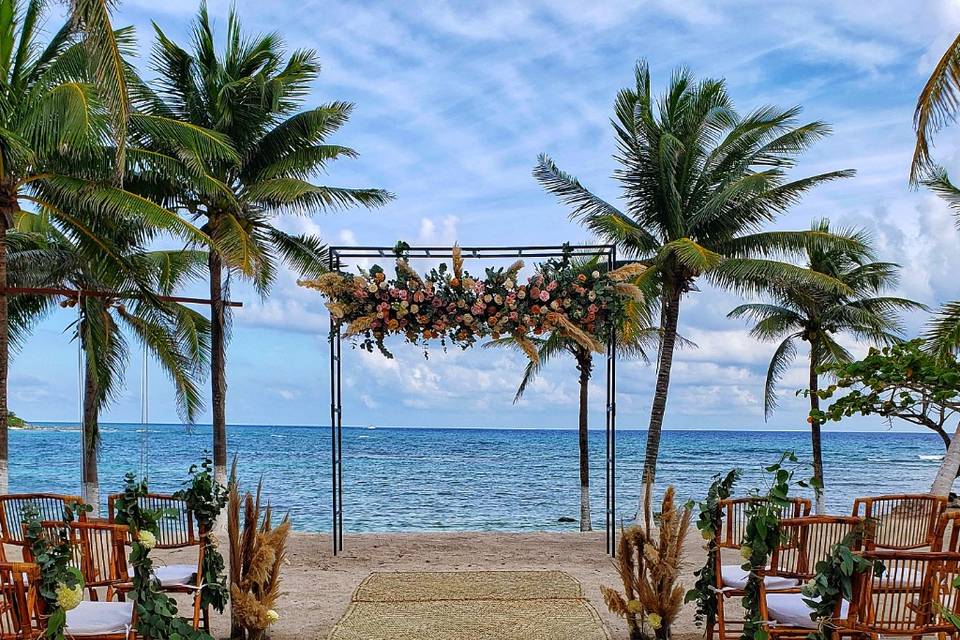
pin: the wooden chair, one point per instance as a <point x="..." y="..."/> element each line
<point x="805" y="542"/>
<point x="947" y="536"/>
<point x="731" y="579"/>
<point x="99" y="552"/>
<point x="903" y="521"/>
<point x="49" y="505"/>
<point x="177" y="530"/>
<point x="908" y="599"/>
<point x="23" y="617"/>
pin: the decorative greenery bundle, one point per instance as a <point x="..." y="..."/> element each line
<point x="256" y="553"/>
<point x="206" y="498"/>
<point x="710" y="524"/>
<point x="834" y="580"/>
<point x="456" y="307"/>
<point x="648" y="561"/>
<point x="157" y="617"/>
<point x="61" y="585"/>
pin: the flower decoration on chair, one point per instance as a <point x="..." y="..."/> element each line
<point x="61" y="584"/>
<point x="206" y="498"/>
<point x="458" y="308"/>
<point x="156" y="612"/>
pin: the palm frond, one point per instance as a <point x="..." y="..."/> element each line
<point x="936" y="107"/>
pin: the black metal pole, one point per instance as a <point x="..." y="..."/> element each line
<point x="334" y="340"/>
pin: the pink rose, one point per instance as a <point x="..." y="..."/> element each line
<point x="552" y="285"/>
<point x="544" y="296"/>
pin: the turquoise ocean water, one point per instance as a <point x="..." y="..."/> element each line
<point x="465" y="479"/>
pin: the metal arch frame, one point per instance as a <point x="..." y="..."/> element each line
<point x="337" y="260"/>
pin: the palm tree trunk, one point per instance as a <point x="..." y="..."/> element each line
<point x="218" y="376"/>
<point x="91" y="426"/>
<point x="943" y="483"/>
<point x="669" y="319"/>
<point x="585" y="366"/>
<point x="5" y="217"/>
<point x="815" y="427"/>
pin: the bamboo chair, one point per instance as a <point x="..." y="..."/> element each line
<point x="22" y="614"/>
<point x="908" y="599"/>
<point x="99" y="552"/>
<point x="947" y="536"/>
<point x="49" y="505"/>
<point x="903" y="521"/>
<point x="731" y="579"/>
<point x="177" y="530"/>
<point x="805" y="542"/>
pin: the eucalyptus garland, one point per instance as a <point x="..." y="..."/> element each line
<point x="710" y="524"/>
<point x="61" y="584"/>
<point x="834" y="581"/>
<point x="157" y="616"/>
<point x="763" y="534"/>
<point x="206" y="498"/>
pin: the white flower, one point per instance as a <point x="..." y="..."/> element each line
<point x="508" y="284"/>
<point x="272" y="616"/>
<point x="147" y="539"/>
<point x="591" y="296"/>
<point x="69" y="597"/>
<point x="595" y="274"/>
<point x="415" y="308"/>
<point x="372" y="287"/>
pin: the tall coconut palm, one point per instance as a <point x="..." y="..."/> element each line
<point x="55" y="156"/>
<point x="800" y="312"/>
<point x="176" y="336"/>
<point x="699" y="181"/>
<point x="634" y="336"/>
<point x="253" y="96"/>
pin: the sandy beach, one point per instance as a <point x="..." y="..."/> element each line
<point x="317" y="586"/>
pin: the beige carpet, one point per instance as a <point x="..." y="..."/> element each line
<point x="470" y="605"/>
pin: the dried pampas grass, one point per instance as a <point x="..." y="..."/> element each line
<point x="257" y="551"/>
<point x="331" y="284"/>
<point x="457" y="262"/>
<point x="409" y="272"/>
<point x="648" y="561"/>
<point x="574" y="332"/>
<point x="626" y="272"/>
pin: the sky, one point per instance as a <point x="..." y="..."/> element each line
<point x="453" y="103"/>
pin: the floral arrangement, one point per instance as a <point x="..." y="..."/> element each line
<point x="762" y="535"/>
<point x="61" y="584"/>
<point x="156" y="612"/>
<point x="257" y="551"/>
<point x="206" y="498"/>
<point x="710" y="524"/>
<point x="648" y="561"/>
<point x="458" y="308"/>
<point x="834" y="580"/>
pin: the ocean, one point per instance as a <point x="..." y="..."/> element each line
<point x="409" y="479"/>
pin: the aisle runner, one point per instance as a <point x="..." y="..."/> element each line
<point x="470" y="605"/>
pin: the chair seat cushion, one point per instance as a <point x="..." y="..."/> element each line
<point x="789" y="609"/>
<point x="99" y="618"/>
<point x="736" y="578"/>
<point x="174" y="575"/>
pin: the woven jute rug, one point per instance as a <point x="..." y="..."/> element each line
<point x="471" y="605"/>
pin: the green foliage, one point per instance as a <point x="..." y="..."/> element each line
<point x="53" y="554"/>
<point x="157" y="615"/>
<point x="206" y="498"/>
<point x="834" y="581"/>
<point x="762" y="534"/>
<point x="710" y="525"/>
<point x="902" y="381"/>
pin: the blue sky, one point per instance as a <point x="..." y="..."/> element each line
<point x="453" y="103"/>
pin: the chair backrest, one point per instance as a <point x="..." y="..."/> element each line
<point x="908" y="597"/>
<point x="18" y="600"/>
<point x="177" y="528"/>
<point x="49" y="505"/>
<point x="808" y="540"/>
<point x="903" y="521"/>
<point x="735" y="518"/>
<point x="99" y="551"/>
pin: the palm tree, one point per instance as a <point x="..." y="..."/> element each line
<point x="252" y="97"/>
<point x="633" y="336"/>
<point x="937" y="107"/>
<point x="176" y="336"/>
<point x="55" y="123"/>
<point x="699" y="181"/>
<point x="796" y="311"/>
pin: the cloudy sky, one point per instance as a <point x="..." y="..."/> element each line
<point x="453" y="103"/>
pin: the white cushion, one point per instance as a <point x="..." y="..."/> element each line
<point x="173" y="575"/>
<point x="789" y="609"/>
<point x="99" y="618"/>
<point x="900" y="577"/>
<point x="735" y="577"/>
